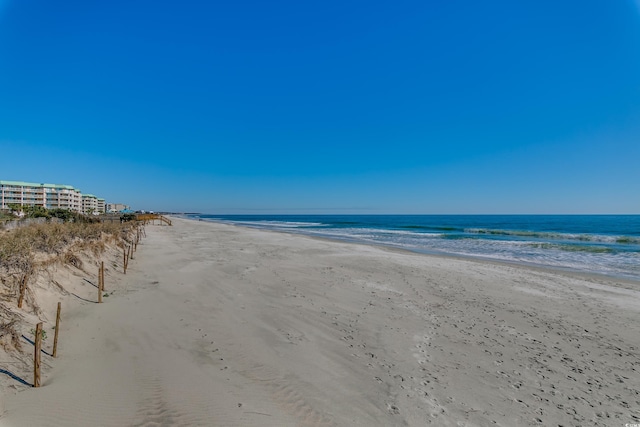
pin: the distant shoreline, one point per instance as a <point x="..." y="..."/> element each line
<point x="628" y="281"/>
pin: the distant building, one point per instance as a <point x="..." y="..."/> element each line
<point x="89" y="204"/>
<point x="50" y="196"/>
<point x="102" y="206"/>
<point x="117" y="207"/>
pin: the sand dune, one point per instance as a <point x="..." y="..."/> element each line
<point x="216" y="325"/>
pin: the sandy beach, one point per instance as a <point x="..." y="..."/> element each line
<point x="215" y="325"/>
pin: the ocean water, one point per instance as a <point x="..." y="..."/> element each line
<point x="601" y="244"/>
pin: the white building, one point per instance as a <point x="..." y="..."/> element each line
<point x="89" y="204"/>
<point x="102" y="206"/>
<point x="49" y="196"/>
<point x="116" y="207"/>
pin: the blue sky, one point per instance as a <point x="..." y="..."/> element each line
<point x="326" y="107"/>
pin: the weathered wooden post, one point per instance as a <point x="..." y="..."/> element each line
<point x="36" y="356"/>
<point x="55" y="335"/>
<point x="101" y="281"/>
<point x="124" y="260"/>
<point x="23" y="288"/>
<point x="102" y="274"/>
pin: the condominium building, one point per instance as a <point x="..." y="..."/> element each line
<point x="102" y="206"/>
<point x="89" y="204"/>
<point x="50" y="196"/>
<point x="92" y="205"/>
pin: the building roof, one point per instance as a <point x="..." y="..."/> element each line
<point x="34" y="184"/>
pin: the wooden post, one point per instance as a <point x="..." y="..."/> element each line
<point x="131" y="251"/>
<point x="100" y="282"/>
<point x="23" y="288"/>
<point x="102" y="275"/>
<point x="36" y="356"/>
<point x="55" y="335"/>
<point x="99" y="285"/>
<point x="124" y="260"/>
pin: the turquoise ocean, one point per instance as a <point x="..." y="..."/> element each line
<point x="600" y="244"/>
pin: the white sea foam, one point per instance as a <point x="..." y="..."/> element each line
<point x="585" y="259"/>
<point x="582" y="237"/>
<point x="596" y="253"/>
<point x="275" y="224"/>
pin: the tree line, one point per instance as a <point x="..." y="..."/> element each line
<point x="35" y="211"/>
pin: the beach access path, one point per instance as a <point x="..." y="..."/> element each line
<point x="216" y="325"/>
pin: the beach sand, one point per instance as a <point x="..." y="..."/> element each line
<point x="216" y="325"/>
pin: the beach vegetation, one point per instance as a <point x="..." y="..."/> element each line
<point x="9" y="334"/>
<point x="26" y="212"/>
<point x="127" y="217"/>
<point x="27" y="253"/>
<point x="14" y="208"/>
<point x="35" y="211"/>
<point x="43" y="334"/>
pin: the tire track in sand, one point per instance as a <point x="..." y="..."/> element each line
<point x="284" y="392"/>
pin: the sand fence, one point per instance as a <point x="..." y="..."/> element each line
<point x="129" y="246"/>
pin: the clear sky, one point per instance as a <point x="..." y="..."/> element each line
<point x="253" y="106"/>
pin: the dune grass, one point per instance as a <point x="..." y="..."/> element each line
<point x="26" y="251"/>
<point x="18" y="248"/>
